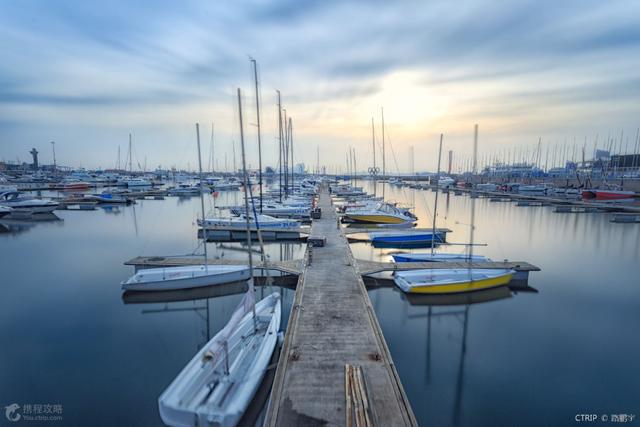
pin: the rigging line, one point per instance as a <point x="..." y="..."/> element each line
<point x="393" y="153"/>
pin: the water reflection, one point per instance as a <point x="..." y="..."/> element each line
<point x="14" y="224"/>
<point x="536" y="353"/>
<point x="499" y="358"/>
<point x="193" y="294"/>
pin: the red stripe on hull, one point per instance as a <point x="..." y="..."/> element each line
<point x="614" y="195"/>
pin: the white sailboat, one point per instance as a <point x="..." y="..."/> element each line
<point x="191" y="276"/>
<point x="217" y="385"/>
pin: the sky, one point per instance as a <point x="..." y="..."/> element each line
<point x="86" y="74"/>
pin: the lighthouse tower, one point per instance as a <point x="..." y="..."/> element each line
<point x="34" y="153"/>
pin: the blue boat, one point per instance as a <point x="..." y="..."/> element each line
<point x="439" y="257"/>
<point x="409" y="238"/>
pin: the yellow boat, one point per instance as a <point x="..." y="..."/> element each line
<point x="381" y="213"/>
<point x="451" y="281"/>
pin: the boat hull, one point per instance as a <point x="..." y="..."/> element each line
<point x="438" y="258"/>
<point x="613" y="195"/>
<point x="376" y="219"/>
<point x="181" y="282"/>
<point x="454" y="285"/>
<point x="35" y="209"/>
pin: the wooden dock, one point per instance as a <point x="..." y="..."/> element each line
<point x="332" y="328"/>
<point x="554" y="201"/>
<point x="371" y="268"/>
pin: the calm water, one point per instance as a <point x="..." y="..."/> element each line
<point x="522" y="359"/>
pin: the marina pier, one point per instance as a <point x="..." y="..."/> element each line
<point x="332" y="327"/>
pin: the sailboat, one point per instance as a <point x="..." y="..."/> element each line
<point x="451" y="280"/>
<point x="192" y="276"/>
<point x="439" y="257"/>
<point x="455" y="280"/>
<point x="381" y="213"/>
<point x="217" y="385"/>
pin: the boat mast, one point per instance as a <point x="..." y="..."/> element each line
<point x="373" y="143"/>
<point x="204" y="225"/>
<point x="355" y="166"/>
<point x="255" y="79"/>
<point x="435" y="205"/>
<point x="130" y="157"/>
<point x="211" y="166"/>
<point x="291" y="149"/>
<point x="285" y="154"/>
<point x="384" y="162"/>
<point x="246" y="209"/>
<point x="473" y="200"/>
<point x="279" y="146"/>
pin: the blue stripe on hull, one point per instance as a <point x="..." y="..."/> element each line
<point x="409" y="238"/>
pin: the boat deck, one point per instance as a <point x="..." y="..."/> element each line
<point x="332" y="325"/>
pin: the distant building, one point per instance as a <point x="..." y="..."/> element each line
<point x="625" y="161"/>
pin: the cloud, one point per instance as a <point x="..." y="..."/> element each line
<point x="433" y="65"/>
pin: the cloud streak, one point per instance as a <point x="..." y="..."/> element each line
<point x="157" y="67"/>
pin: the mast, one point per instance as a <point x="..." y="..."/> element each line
<point x="355" y="166"/>
<point x="204" y="226"/>
<point x="255" y="79"/>
<point x="279" y="146"/>
<point x="130" y="157"/>
<point x="285" y="154"/>
<point x="435" y="205"/>
<point x="211" y="165"/>
<point x="246" y="209"/>
<point x="235" y="168"/>
<point x="373" y="143"/>
<point x="473" y="200"/>
<point x="291" y="149"/>
<point x="384" y="159"/>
